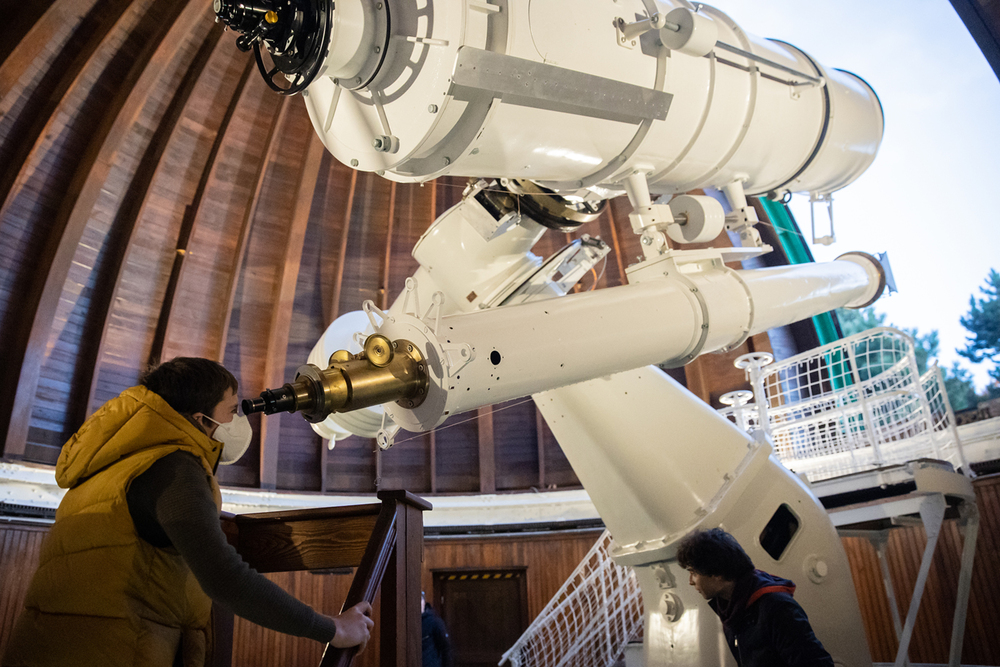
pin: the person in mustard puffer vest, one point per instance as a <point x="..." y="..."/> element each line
<point x="128" y="572"/>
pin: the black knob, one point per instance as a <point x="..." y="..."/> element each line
<point x="272" y="401"/>
<point x="252" y="405"/>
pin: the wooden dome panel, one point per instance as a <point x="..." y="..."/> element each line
<point x="158" y="200"/>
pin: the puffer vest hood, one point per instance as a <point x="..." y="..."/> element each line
<point x="102" y="595"/>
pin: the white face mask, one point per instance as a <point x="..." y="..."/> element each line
<point x="235" y="437"/>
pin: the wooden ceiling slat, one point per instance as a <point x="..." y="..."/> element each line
<point x="27" y="152"/>
<point x="487" y="452"/>
<point x="281" y="320"/>
<point x="387" y="258"/>
<point x="432" y="455"/>
<point x="27" y="349"/>
<point x="540" y="434"/>
<point x="253" y="202"/>
<point x="32" y="43"/>
<point x="338" y="281"/>
<point x="187" y="225"/>
<point x="324" y="461"/>
<point x="616" y="245"/>
<point x="202" y="298"/>
<point x="133" y="209"/>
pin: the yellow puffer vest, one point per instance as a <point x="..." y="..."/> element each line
<point x="102" y="595"/>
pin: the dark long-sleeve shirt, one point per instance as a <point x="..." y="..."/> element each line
<point x="172" y="507"/>
<point x="766" y="627"/>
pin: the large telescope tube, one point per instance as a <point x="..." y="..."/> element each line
<point x="574" y="94"/>
<point x="498" y="354"/>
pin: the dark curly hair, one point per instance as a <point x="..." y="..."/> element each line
<point x="714" y="553"/>
<point x="190" y="384"/>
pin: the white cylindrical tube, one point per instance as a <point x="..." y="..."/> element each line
<point x="545" y="90"/>
<point x="495" y="355"/>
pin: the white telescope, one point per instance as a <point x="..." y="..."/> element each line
<point x="568" y="103"/>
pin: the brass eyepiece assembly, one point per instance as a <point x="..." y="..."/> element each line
<point x="385" y="371"/>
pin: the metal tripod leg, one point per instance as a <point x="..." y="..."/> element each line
<point x="932" y="514"/>
<point x="969" y="527"/>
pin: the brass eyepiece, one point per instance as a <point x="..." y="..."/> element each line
<point x="385" y="371"/>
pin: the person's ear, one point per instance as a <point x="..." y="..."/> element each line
<point x="203" y="422"/>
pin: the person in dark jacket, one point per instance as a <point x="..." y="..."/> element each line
<point x="434" y="637"/>
<point x="763" y="624"/>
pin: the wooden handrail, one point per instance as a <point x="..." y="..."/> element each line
<point x="384" y="542"/>
<point x="368" y="577"/>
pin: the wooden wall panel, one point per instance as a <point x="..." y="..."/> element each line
<point x="516" y="432"/>
<point x="548" y="557"/>
<point x="351" y="466"/>
<point x="406" y="465"/>
<point x="548" y="560"/>
<point x="559" y="473"/>
<point x="551" y="557"/>
<point x="932" y="634"/>
<point x="457" y="446"/>
<point x="20" y="546"/>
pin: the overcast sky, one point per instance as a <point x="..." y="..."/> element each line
<point x="931" y="198"/>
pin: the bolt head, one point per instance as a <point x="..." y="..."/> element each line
<point x="354" y="162"/>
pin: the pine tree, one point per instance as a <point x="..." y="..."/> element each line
<point x="983" y="323"/>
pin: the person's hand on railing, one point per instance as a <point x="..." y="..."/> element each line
<point x="354" y="626"/>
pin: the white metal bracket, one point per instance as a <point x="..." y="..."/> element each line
<point x="628" y="34"/>
<point x="457" y="357"/>
<point x="828" y="199"/>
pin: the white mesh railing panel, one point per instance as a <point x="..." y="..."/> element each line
<point x="854" y="405"/>
<point x="588" y="622"/>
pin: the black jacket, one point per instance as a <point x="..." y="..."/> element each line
<point x="434" y="640"/>
<point x="766" y="627"/>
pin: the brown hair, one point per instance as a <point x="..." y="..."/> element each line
<point x="190" y="384"/>
<point x="714" y="553"/>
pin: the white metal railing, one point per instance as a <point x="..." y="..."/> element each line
<point x="856" y="404"/>
<point x="588" y="622"/>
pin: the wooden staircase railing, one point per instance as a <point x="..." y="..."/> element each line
<point x="385" y="543"/>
